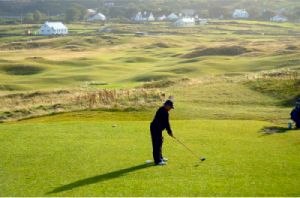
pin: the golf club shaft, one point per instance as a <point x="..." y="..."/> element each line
<point x="186" y="147"/>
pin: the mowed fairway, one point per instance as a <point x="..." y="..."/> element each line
<point x="107" y="158"/>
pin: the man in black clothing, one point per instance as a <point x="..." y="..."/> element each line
<point x="295" y="114"/>
<point x="160" y="123"/>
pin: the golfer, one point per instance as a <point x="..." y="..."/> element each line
<point x="295" y="114"/>
<point x="160" y="123"/>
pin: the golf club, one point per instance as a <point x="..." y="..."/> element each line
<point x="201" y="158"/>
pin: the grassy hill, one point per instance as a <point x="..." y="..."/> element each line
<point x="243" y="55"/>
<point x="115" y="59"/>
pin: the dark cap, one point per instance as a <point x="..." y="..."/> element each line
<point x="169" y="103"/>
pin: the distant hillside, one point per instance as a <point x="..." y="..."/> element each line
<point x="127" y="8"/>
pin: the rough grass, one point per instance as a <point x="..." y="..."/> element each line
<point x="286" y="90"/>
<point x="165" y="83"/>
<point x="68" y="42"/>
<point x="27" y="105"/>
<point x="8" y="87"/>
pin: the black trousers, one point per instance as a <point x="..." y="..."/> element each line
<point x="157" y="141"/>
<point x="297" y="121"/>
<point x="298" y="124"/>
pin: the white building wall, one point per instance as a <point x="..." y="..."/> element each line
<point x="50" y="29"/>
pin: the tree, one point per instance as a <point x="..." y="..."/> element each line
<point x="130" y="12"/>
<point x="267" y="14"/>
<point x="103" y="10"/>
<point x="254" y="12"/>
<point x="73" y="14"/>
<point x="29" y="18"/>
<point x="296" y="13"/>
<point x="81" y="9"/>
<point x="203" y="13"/>
<point x="116" y="12"/>
<point x="37" y="16"/>
<point x="215" y="11"/>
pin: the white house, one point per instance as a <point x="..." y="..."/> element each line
<point x="162" y="18"/>
<point x="90" y="12"/>
<point x="172" y="17"/>
<point x="53" y="28"/>
<point x="200" y="21"/>
<point x="138" y="17"/>
<point x="97" y="17"/>
<point x="109" y="4"/>
<point x="151" y="17"/>
<point x="279" y="18"/>
<point x="185" y="22"/>
<point x="240" y="14"/>
<point x="144" y="17"/>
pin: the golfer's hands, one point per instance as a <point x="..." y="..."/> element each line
<point x="171" y="134"/>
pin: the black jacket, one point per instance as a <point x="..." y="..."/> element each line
<point x="161" y="120"/>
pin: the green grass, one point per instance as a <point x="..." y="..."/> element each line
<point x="92" y="158"/>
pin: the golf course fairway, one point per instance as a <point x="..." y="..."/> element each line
<point x="94" y="157"/>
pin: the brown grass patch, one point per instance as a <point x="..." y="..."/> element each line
<point x="33" y="104"/>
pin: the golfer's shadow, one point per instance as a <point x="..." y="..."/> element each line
<point x="273" y="130"/>
<point x="98" y="178"/>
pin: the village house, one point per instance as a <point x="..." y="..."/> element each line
<point x="151" y="17"/>
<point x="172" y="17"/>
<point x="90" y="12"/>
<point x="109" y="4"/>
<point x="53" y="28"/>
<point x="200" y="21"/>
<point x="144" y="17"/>
<point x="279" y="18"/>
<point x="97" y="17"/>
<point x="240" y="14"/>
<point x="161" y="18"/>
<point x="185" y="22"/>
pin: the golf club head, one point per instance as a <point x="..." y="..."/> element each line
<point x="202" y="159"/>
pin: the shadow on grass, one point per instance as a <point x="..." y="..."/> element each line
<point x="273" y="130"/>
<point x="98" y="178"/>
